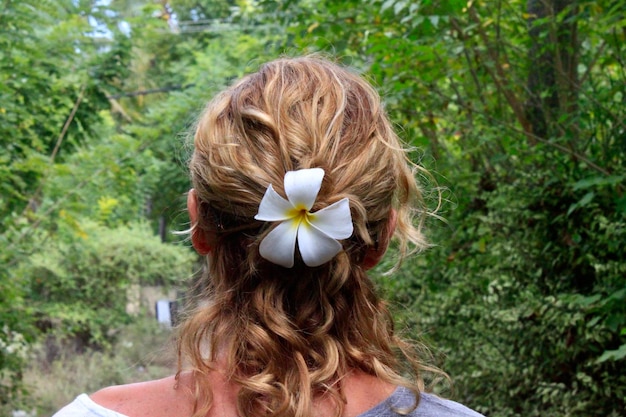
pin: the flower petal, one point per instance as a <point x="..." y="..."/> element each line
<point x="302" y="186"/>
<point x="279" y="244"/>
<point x="335" y="220"/>
<point x="316" y="247"/>
<point x="273" y="207"/>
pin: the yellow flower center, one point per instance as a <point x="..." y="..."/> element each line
<point x="300" y="216"/>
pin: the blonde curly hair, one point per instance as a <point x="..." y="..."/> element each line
<point x="287" y="335"/>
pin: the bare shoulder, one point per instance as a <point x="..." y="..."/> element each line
<point x="161" y="397"/>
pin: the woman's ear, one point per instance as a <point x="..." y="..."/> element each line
<point x="375" y="254"/>
<point x="199" y="238"/>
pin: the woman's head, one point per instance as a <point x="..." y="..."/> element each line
<point x="290" y="115"/>
<point x="299" y="329"/>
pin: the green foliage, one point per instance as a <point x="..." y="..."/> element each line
<point x="16" y="316"/>
<point x="78" y="285"/>
<point x="106" y="179"/>
<point x="14" y="352"/>
<point x="45" y="82"/>
<point x="508" y="307"/>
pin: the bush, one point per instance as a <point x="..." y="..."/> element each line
<point x="17" y="329"/>
<point x="526" y="300"/>
<point x="78" y="284"/>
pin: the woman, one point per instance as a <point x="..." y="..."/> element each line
<point x="299" y="183"/>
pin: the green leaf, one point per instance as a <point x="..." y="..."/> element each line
<point x="386" y="5"/>
<point x="613" y="355"/>
<point x="599" y="181"/>
<point x="582" y="202"/>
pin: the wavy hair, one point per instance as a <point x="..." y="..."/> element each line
<point x="286" y="336"/>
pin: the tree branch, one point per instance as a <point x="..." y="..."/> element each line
<point x="500" y="79"/>
<point x="57" y="146"/>
<point x="32" y="202"/>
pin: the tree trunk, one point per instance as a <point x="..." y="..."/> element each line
<point x="553" y="62"/>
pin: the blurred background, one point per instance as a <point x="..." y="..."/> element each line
<point x="517" y="108"/>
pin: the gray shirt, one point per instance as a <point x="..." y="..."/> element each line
<point x="430" y="406"/>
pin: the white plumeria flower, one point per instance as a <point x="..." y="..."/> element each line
<point x="317" y="234"/>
